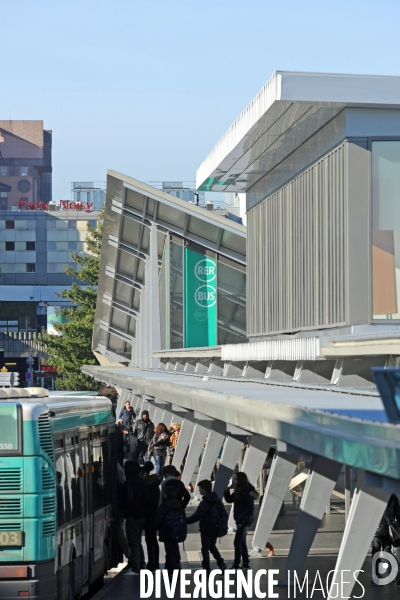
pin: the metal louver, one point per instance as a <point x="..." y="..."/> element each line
<point x="47" y="480"/>
<point x="48" y="528"/>
<point x="10" y="507"/>
<point x="45" y="436"/>
<point x="10" y="480"/>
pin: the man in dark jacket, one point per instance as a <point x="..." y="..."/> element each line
<point x="382" y="540"/>
<point x="169" y="505"/>
<point x="127" y="416"/>
<point x="208" y="529"/>
<point x="150" y="531"/>
<point x="143" y="430"/>
<point x="135" y="500"/>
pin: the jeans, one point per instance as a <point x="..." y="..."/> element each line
<point x="153" y="551"/>
<point x="240" y="545"/>
<point x="160" y="462"/>
<point x="209" y="544"/>
<point x="134" y="529"/>
<point x="172" y="556"/>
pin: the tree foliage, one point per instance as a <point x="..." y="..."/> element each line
<point x="73" y="348"/>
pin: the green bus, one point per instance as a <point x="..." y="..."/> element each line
<point x="57" y="492"/>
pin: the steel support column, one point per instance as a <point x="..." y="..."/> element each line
<point x="366" y="510"/>
<point x="198" y="438"/>
<point x="184" y="438"/>
<point x="317" y="493"/>
<point x="230" y="454"/>
<point x="215" y="441"/>
<point x="282" y="470"/>
<point x="254" y="459"/>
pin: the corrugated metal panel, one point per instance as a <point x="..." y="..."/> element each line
<point x="134" y="200"/>
<point x="297" y="349"/>
<point x="297" y="252"/>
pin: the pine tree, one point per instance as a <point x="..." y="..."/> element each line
<point x="69" y="351"/>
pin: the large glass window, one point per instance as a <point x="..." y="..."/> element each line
<point x="9" y="433"/>
<point x="176" y="295"/>
<point x="386" y="229"/>
<point x="231" y="303"/>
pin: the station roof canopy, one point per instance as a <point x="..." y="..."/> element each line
<point x="288" y="110"/>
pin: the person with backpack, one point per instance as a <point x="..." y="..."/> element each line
<point x="171" y="524"/>
<point x="213" y="524"/>
<point x="242" y="497"/>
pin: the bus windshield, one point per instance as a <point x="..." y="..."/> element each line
<point x="9" y="429"/>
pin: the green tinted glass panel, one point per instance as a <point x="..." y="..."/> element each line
<point x="8" y="428"/>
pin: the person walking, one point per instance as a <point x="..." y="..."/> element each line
<point x="213" y="524"/>
<point x="143" y="431"/>
<point x="172" y="528"/>
<point x="172" y="478"/>
<point x="382" y="540"/>
<point x="122" y="541"/>
<point x="242" y="497"/>
<point x="158" y="447"/>
<point x="135" y="500"/>
<point x="127" y="416"/>
<point x="152" y="482"/>
<point x="174" y="431"/>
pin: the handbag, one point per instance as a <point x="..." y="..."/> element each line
<point x="394" y="531"/>
<point x="170" y="451"/>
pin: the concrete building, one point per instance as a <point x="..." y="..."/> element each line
<point x="25" y="164"/>
<point x="93" y="193"/>
<point x="317" y="156"/>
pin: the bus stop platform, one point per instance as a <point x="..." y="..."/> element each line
<point x="322" y="559"/>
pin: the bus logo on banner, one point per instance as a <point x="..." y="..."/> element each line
<point x="205" y="296"/>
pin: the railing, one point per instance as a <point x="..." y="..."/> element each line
<point x="24" y="343"/>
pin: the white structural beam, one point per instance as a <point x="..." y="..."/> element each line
<point x="215" y="441"/>
<point x="230" y="454"/>
<point x="366" y="510"/>
<point x="196" y="445"/>
<point x="282" y="470"/>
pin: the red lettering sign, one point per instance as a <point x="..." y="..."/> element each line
<point x="68" y="205"/>
<point x="25" y="205"/>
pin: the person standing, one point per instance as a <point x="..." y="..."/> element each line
<point x="172" y="528"/>
<point x="135" y="498"/>
<point x="171" y="478"/>
<point x="122" y="541"/>
<point x="158" y="446"/>
<point x="242" y="497"/>
<point x="174" y="431"/>
<point x="150" y="531"/>
<point x="143" y="430"/>
<point x="213" y="524"/>
<point x="127" y="416"/>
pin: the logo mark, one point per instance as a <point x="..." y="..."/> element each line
<point x="205" y="296"/>
<point x="200" y="314"/>
<point x="205" y="270"/>
<point x="384" y="568"/>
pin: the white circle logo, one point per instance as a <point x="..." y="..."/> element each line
<point x="205" y="270"/>
<point x="205" y="296"/>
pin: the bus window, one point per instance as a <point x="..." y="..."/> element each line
<point x="71" y="483"/>
<point x="60" y="488"/>
<point x="97" y="475"/>
<point x="106" y="471"/>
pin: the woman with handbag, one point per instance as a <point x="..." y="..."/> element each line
<point x="158" y="447"/>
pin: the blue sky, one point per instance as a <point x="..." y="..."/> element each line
<point x="148" y="87"/>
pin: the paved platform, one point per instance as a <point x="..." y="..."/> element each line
<point x="322" y="558"/>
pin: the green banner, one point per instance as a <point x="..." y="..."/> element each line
<point x="200" y="300"/>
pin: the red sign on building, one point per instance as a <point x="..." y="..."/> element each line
<point x="69" y="205"/>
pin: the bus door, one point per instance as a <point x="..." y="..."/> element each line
<point x="84" y="473"/>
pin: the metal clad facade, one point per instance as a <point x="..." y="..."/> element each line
<point x="297" y="264"/>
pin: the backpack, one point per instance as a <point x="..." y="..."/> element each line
<point x="219" y="519"/>
<point x="175" y="529"/>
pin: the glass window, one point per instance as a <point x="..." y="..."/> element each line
<point x="10" y="246"/>
<point x="72" y="224"/>
<point x="92" y="223"/>
<point x="72" y="245"/>
<point x="3" y="204"/>
<point x="231" y="304"/>
<point x="31" y="224"/>
<point x="51" y="245"/>
<point x="31" y="245"/>
<point x="10" y="224"/>
<point x="9" y="434"/>
<point x="3" y="194"/>
<point x="30" y="268"/>
<point x="386" y="230"/>
<point x="24" y="172"/>
<point x="51" y="224"/>
<point x="97" y="475"/>
<point x="3" y="171"/>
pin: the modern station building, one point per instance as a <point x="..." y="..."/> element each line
<point x="268" y="333"/>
